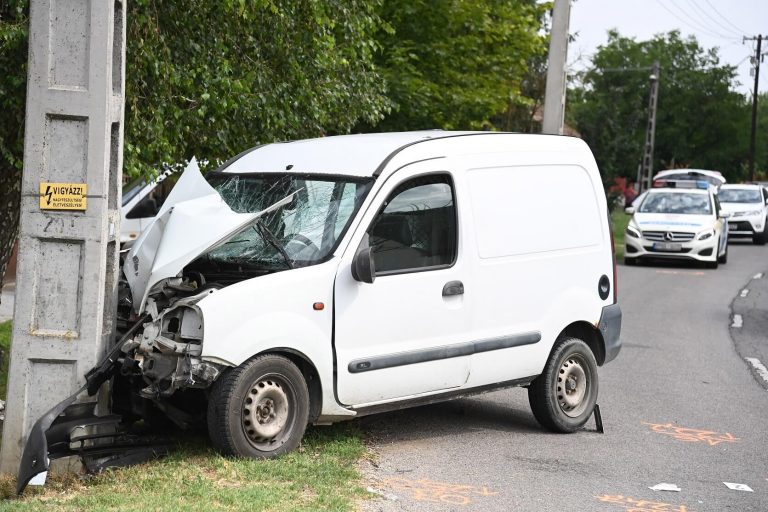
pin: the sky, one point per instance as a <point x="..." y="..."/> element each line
<point x="715" y="23"/>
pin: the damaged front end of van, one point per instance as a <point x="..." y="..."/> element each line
<point x="158" y="359"/>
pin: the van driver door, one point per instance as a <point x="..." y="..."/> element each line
<point x="407" y="333"/>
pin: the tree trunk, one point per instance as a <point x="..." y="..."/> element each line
<point x="10" y="204"/>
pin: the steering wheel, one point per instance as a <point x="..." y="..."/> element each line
<point x="306" y="242"/>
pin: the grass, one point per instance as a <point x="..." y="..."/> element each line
<point x="5" y="348"/>
<point x="321" y="475"/>
<point x="619" y="219"/>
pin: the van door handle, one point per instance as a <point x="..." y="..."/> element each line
<point x="453" y="288"/>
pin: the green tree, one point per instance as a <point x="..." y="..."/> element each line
<point x="701" y="120"/>
<point x="454" y="64"/>
<point x="211" y="79"/>
<point x="13" y="66"/>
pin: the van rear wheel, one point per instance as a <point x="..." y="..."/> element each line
<point x="563" y="397"/>
<point x="259" y="409"/>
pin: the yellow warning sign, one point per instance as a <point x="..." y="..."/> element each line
<point x="63" y="196"/>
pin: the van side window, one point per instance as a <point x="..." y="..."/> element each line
<point x="417" y="227"/>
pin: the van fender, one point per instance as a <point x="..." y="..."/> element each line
<point x="576" y="312"/>
<point x="233" y="344"/>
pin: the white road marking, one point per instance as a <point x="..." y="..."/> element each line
<point x="762" y="371"/>
<point x="758" y="276"/>
<point x="737" y="321"/>
<point x="744" y="292"/>
<point x="738" y="487"/>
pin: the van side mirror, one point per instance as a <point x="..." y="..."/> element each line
<point x="725" y="215"/>
<point x="363" y="268"/>
<point x="629" y="210"/>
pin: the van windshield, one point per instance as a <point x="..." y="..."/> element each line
<point x="302" y="232"/>
<point x="671" y="202"/>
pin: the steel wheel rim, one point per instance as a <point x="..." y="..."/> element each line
<point x="266" y="413"/>
<point x="573" y="386"/>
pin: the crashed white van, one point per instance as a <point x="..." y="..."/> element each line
<point x="320" y="280"/>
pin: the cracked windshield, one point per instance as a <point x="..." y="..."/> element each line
<point x="307" y="217"/>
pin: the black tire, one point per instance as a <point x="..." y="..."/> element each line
<point x="759" y="238"/>
<point x="724" y="258"/>
<point x="270" y="387"/>
<point x="571" y="363"/>
<point x="630" y="261"/>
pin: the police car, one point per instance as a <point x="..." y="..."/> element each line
<point x="678" y="220"/>
<point x="749" y="212"/>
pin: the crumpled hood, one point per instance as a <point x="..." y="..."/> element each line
<point x="193" y="220"/>
<point x="672" y="222"/>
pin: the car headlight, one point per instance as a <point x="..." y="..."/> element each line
<point x="706" y="234"/>
<point x="632" y="232"/>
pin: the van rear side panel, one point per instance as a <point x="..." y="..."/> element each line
<point x="539" y="243"/>
<point x="552" y="207"/>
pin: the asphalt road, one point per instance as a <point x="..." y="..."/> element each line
<point x="680" y="405"/>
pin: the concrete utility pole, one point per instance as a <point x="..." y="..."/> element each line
<point x="650" y="132"/>
<point x="68" y="241"/>
<point x="554" y="96"/>
<point x="758" y="58"/>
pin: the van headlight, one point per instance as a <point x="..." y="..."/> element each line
<point x="706" y="234"/>
<point x="632" y="232"/>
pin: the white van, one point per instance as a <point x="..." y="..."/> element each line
<point x="321" y="280"/>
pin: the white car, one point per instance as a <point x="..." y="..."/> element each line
<point x="748" y="207"/>
<point x="141" y="202"/>
<point x="678" y="222"/>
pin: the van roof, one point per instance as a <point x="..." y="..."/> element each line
<point x="361" y="155"/>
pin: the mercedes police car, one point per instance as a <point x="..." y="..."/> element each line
<point x="749" y="212"/>
<point x="678" y="220"/>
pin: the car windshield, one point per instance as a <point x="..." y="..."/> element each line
<point x="672" y="202"/>
<point x="734" y="195"/>
<point x="301" y="232"/>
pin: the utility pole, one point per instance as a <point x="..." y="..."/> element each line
<point x="758" y="58"/>
<point x="650" y="133"/>
<point x="70" y="208"/>
<point x="554" y="95"/>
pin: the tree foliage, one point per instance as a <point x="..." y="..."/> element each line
<point x="454" y="64"/>
<point x="701" y="122"/>
<point x="211" y="79"/>
<point x="13" y="65"/>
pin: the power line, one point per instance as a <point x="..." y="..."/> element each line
<point x="707" y="18"/>
<point x="690" y="24"/>
<point x="726" y="19"/>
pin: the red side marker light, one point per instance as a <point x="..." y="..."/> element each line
<point x="318" y="306"/>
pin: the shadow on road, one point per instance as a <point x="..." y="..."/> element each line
<point x="448" y="419"/>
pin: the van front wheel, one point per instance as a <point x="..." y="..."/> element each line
<point x="259" y="409"/>
<point x="563" y="397"/>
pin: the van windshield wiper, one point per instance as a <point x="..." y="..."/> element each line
<point x="272" y="240"/>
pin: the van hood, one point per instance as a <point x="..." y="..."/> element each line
<point x="193" y="220"/>
<point x="671" y="221"/>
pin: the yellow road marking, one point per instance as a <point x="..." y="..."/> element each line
<point x="635" y="505"/>
<point x="678" y="272"/>
<point x="438" y="492"/>
<point x="692" y="435"/>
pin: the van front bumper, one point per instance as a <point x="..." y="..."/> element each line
<point x="610" y="328"/>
